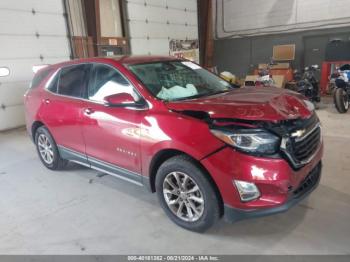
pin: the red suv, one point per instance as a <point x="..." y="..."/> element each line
<point x="206" y="148"/>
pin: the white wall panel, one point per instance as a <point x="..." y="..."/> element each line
<point x="30" y="24"/>
<point x="12" y="117"/>
<point x="153" y="31"/>
<point x="16" y="89"/>
<point x="255" y="17"/>
<point x="47" y="6"/>
<point x="151" y="47"/>
<point x="21" y="69"/>
<point x="183" y="4"/>
<point x="152" y="23"/>
<point x="17" y="47"/>
<point x="32" y="32"/>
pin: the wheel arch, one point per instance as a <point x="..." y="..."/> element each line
<point x="166" y="154"/>
<point x="35" y="127"/>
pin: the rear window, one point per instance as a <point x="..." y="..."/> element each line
<point x="39" y="77"/>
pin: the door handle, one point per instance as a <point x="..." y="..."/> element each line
<point x="88" y="111"/>
<point x="46" y="101"/>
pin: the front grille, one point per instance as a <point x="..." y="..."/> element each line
<point x="303" y="148"/>
<point x="301" y="140"/>
<point x="309" y="182"/>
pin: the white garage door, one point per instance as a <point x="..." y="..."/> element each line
<point x="32" y="32"/>
<point x="255" y="17"/>
<point x="152" y="23"/>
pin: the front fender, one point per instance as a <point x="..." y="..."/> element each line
<point x="177" y="132"/>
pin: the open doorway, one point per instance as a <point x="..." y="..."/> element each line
<point x="96" y="27"/>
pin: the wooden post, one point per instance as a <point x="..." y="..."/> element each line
<point x="205" y="24"/>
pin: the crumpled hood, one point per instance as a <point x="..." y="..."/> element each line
<point x="269" y="104"/>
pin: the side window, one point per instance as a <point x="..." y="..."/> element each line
<point x="53" y="83"/>
<point x="72" y="81"/>
<point x="106" y="81"/>
<point x="39" y="77"/>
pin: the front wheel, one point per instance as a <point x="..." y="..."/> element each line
<point x="341" y="100"/>
<point x="186" y="194"/>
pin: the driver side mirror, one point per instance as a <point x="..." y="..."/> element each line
<point x="4" y="71"/>
<point x="123" y="100"/>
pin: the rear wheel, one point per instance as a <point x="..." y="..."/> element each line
<point x="47" y="150"/>
<point x="341" y="100"/>
<point x="186" y="195"/>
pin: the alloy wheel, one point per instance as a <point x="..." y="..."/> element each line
<point x="183" y="196"/>
<point x="45" y="149"/>
<point x="346" y="100"/>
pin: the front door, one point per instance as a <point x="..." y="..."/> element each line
<point x="112" y="134"/>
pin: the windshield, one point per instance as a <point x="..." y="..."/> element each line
<point x="178" y="80"/>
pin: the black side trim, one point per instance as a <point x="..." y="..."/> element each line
<point x="73" y="156"/>
<point x="147" y="184"/>
<point x="102" y="166"/>
<point x="115" y="170"/>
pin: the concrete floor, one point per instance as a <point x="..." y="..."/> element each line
<point x="76" y="212"/>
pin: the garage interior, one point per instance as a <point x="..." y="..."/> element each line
<point x="82" y="211"/>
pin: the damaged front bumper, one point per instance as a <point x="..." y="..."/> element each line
<point x="307" y="186"/>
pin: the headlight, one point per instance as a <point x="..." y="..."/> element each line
<point x="249" y="140"/>
<point x="247" y="191"/>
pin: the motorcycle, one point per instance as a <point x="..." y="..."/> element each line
<point x="342" y="89"/>
<point x="307" y="84"/>
<point x="265" y="78"/>
<point x="331" y="86"/>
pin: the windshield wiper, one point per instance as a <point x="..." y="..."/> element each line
<point x="198" y="96"/>
<point x="220" y="92"/>
<point x="187" y="97"/>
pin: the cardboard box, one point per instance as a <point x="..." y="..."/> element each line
<point x="276" y="66"/>
<point x="283" y="52"/>
<point x="280" y="80"/>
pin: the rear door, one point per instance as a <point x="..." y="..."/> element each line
<point x="63" y="109"/>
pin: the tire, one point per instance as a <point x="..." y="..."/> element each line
<point x="184" y="168"/>
<point x="47" y="150"/>
<point x="341" y="100"/>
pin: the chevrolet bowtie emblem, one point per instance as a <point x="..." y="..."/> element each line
<point x="298" y="133"/>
